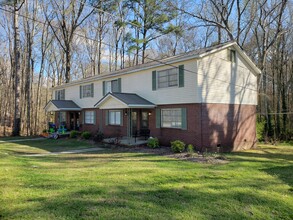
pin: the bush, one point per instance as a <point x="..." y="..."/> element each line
<point x="99" y="137"/>
<point x="260" y="130"/>
<point x="177" y="146"/>
<point x="153" y="142"/>
<point x="190" y="149"/>
<point x="86" y="135"/>
<point x="73" y="134"/>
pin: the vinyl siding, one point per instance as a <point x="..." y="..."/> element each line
<point x="210" y="79"/>
<point x="221" y="81"/>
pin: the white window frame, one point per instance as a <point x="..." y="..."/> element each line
<point x="86" y="90"/>
<point x="89" y="117"/>
<point x="116" y="114"/>
<point x="109" y="85"/>
<point x="60" y="94"/>
<point x="168" y="75"/>
<point x="167" y="119"/>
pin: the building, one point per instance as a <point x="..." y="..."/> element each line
<point x="206" y="97"/>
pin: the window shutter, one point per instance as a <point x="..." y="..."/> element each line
<point x="183" y="119"/>
<point x="95" y="117"/>
<point x="80" y="92"/>
<point x="154" y="80"/>
<point x="158" y="118"/>
<point x="56" y="95"/>
<point x="63" y="94"/>
<point x="104" y="88"/>
<point x="107" y="117"/>
<point x="92" y="90"/>
<point x="181" y="76"/>
<point x="83" y="116"/>
<point x="119" y="85"/>
<point x="121" y="116"/>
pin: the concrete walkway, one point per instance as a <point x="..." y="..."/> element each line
<point x="66" y="152"/>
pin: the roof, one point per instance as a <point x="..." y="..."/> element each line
<point x="126" y="100"/>
<point x="199" y="53"/>
<point x="62" y="105"/>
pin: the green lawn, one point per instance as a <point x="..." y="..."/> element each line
<point x="117" y="184"/>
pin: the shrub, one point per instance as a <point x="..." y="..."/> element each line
<point x="260" y="130"/>
<point x="153" y="142"/>
<point x="177" y="146"/>
<point x="190" y="149"/>
<point x="86" y="135"/>
<point x="99" y="137"/>
<point x="73" y="134"/>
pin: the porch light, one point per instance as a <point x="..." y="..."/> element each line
<point x="125" y="113"/>
<point x="150" y="113"/>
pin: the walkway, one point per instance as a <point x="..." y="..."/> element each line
<point x="24" y="139"/>
<point x="65" y="152"/>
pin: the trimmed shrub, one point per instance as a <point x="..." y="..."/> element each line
<point x="73" y="134"/>
<point x="177" y="146"/>
<point x="153" y="142"/>
<point x="190" y="149"/>
<point x="86" y="135"/>
<point x="99" y="137"/>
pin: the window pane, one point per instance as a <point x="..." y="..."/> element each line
<point x="168" y="78"/>
<point x="86" y="91"/>
<point x="107" y="87"/>
<point x="171" y="118"/>
<point x="114" y="84"/>
<point x="89" y="117"/>
<point x="114" y="117"/>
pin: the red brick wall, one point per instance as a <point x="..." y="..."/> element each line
<point x="232" y="127"/>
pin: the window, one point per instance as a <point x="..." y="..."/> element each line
<point x="114" y="117"/>
<point x="112" y="86"/>
<point x="87" y="91"/>
<point x="60" y="94"/>
<point x="171" y="118"/>
<point x="168" y="78"/>
<point x="232" y="56"/>
<point x="89" y="117"/>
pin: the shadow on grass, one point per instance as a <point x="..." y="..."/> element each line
<point x="284" y="173"/>
<point x="124" y="202"/>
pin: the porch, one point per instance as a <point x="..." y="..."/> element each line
<point x="127" y="118"/>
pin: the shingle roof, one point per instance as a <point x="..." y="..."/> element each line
<point x="129" y="99"/>
<point x="63" y="105"/>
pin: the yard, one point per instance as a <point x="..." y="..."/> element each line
<point x="120" y="184"/>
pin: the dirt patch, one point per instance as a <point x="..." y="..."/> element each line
<point x="166" y="151"/>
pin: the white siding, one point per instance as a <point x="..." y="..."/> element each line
<point x="212" y="79"/>
<point x="221" y="81"/>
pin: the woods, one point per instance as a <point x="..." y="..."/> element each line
<point x="47" y="43"/>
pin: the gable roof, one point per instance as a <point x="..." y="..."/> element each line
<point x="128" y="100"/>
<point x="62" y="105"/>
<point x="199" y="53"/>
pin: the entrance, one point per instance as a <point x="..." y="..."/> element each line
<point x="74" y="121"/>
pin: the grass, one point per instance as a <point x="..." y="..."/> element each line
<point x="114" y="184"/>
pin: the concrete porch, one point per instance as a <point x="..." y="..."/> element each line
<point x="127" y="141"/>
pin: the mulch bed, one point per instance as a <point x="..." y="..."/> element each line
<point x="166" y="151"/>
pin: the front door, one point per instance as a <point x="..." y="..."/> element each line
<point x="144" y="120"/>
<point x="74" y="121"/>
<point x="134" y="122"/>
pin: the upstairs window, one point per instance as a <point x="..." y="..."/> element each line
<point x="87" y="91"/>
<point x="232" y="56"/>
<point x="168" y="78"/>
<point x="60" y="94"/>
<point x="112" y="86"/>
